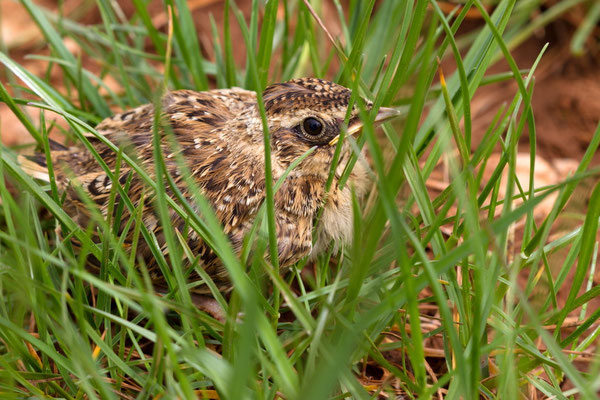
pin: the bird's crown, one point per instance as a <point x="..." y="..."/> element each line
<point x="302" y="93"/>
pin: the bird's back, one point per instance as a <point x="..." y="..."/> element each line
<point x="201" y="112"/>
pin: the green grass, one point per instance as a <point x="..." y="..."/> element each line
<point x="68" y="333"/>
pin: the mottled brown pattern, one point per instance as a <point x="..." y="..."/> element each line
<point x="219" y="134"/>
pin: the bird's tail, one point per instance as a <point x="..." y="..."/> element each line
<point x="34" y="166"/>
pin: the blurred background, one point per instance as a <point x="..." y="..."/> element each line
<point x="566" y="99"/>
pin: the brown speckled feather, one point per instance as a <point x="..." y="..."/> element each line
<point x="219" y="135"/>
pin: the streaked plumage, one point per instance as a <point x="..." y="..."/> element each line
<point x="219" y="134"/>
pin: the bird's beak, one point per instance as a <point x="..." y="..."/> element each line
<point x="384" y="114"/>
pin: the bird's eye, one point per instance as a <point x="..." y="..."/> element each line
<point x="312" y="127"/>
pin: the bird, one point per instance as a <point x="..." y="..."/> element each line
<point x="219" y="134"/>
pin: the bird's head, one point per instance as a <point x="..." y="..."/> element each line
<point x="308" y="112"/>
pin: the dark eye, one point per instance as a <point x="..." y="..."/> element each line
<point x="312" y="127"/>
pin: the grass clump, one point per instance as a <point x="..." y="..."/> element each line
<point x="428" y="293"/>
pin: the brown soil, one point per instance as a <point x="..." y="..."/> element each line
<point x="566" y="97"/>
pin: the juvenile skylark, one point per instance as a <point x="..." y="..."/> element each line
<point x="219" y="133"/>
